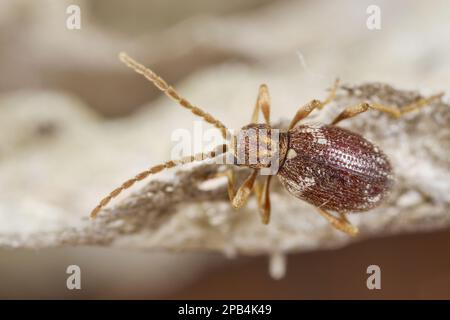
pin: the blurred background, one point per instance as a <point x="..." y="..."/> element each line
<point x="66" y="102"/>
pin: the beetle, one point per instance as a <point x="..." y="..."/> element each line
<point x="331" y="168"/>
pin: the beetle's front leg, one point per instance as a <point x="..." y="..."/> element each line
<point x="263" y="196"/>
<point x="263" y="104"/>
<point x="239" y="198"/>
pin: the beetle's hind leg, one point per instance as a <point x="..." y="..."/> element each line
<point x="340" y="223"/>
<point x="395" y="112"/>
<point x="423" y="102"/>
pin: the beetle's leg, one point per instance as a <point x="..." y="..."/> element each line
<point x="351" y="111"/>
<point x="331" y="95"/>
<point x="306" y="109"/>
<point x="244" y="191"/>
<point x="262" y="103"/>
<point x="263" y="195"/>
<point x="230" y="181"/>
<point x="239" y="198"/>
<point x="340" y="223"/>
<point x="423" y="102"/>
<point x="396" y="112"/>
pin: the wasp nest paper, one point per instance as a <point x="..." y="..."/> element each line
<point x="53" y="173"/>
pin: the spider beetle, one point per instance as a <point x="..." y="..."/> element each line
<point x="329" y="167"/>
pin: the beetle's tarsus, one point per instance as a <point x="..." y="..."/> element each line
<point x="340" y="223"/>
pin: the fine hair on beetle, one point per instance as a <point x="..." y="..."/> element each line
<point x="329" y="167"/>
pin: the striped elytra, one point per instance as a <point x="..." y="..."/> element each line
<point x="334" y="169"/>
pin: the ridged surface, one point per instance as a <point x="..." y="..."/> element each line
<point x="335" y="169"/>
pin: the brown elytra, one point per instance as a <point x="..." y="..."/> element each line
<point x="335" y="169"/>
<point x="327" y="166"/>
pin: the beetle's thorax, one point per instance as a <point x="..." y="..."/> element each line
<point x="260" y="146"/>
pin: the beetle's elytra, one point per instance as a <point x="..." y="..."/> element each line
<point x="335" y="169"/>
<point x="331" y="168"/>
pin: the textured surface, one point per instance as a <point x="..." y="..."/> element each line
<point x="58" y="158"/>
<point x="182" y="210"/>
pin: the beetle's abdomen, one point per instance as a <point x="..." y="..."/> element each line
<point x="335" y="169"/>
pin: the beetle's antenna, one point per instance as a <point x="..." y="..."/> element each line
<point x="155" y="169"/>
<point x="171" y="93"/>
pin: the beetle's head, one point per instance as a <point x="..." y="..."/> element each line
<point x="257" y="146"/>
